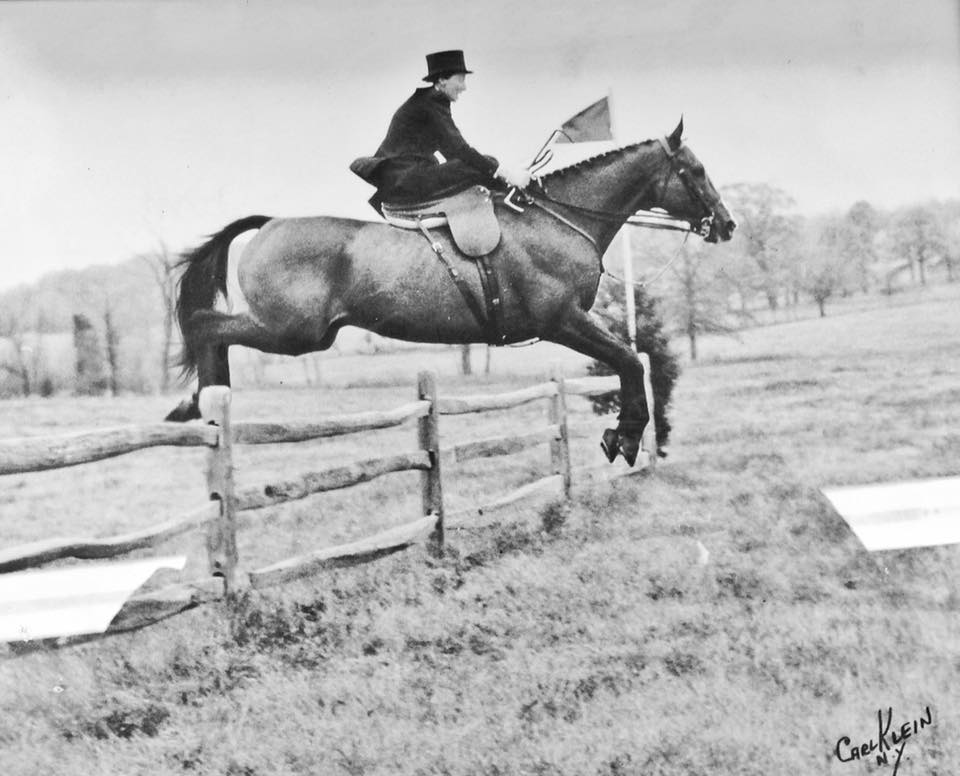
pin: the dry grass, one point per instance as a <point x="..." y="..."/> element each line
<point x="588" y="639"/>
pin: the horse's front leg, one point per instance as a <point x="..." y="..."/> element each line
<point x="578" y="331"/>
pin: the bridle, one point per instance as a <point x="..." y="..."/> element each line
<point x="706" y="222"/>
<point x="649" y="219"/>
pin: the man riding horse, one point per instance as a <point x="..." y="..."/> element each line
<point x="424" y="156"/>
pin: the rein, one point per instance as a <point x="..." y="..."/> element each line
<point x="649" y="219"/>
<point x="655" y="278"/>
<point x="645" y="218"/>
<point x="566" y="221"/>
<point x="687" y="229"/>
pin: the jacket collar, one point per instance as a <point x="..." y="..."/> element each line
<point x="430" y="92"/>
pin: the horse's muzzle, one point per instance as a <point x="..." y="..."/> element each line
<point x="721" y="228"/>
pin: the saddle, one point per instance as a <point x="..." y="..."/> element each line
<point x="469" y="215"/>
<point x="473" y="225"/>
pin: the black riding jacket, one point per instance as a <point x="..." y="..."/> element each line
<point x="405" y="161"/>
<point x="424" y="124"/>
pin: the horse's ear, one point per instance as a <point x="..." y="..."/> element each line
<point x="675" y="136"/>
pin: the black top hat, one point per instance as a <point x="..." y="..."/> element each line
<point x="444" y="63"/>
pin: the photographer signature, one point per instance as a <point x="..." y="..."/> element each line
<point x="888" y="744"/>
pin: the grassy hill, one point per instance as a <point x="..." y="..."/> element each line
<point x="715" y="616"/>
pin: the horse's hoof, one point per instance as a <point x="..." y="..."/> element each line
<point x="610" y="444"/>
<point x="186" y="410"/>
<point x="629" y="448"/>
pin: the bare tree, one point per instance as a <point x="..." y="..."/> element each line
<point x="91" y="379"/>
<point x="106" y="307"/>
<point x="765" y="234"/>
<point x="22" y="355"/>
<point x="16" y="358"/>
<point x="111" y="337"/>
<point x="949" y="218"/>
<point x="163" y="266"/>
<point x="822" y="279"/>
<point x="918" y="238"/>
<point x="829" y="261"/>
<point x="858" y="241"/>
<point x="696" y="296"/>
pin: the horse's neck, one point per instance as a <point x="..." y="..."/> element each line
<point x="617" y="184"/>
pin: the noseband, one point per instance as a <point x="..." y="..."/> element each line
<point x="706" y="223"/>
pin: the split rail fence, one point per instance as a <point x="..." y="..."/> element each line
<point x="218" y="517"/>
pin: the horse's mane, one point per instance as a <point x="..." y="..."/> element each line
<point x="592" y="161"/>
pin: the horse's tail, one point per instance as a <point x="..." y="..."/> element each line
<point x="205" y="275"/>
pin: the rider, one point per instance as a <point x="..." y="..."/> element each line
<point x="424" y="156"/>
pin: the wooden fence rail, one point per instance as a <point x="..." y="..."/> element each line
<point x="34" y="454"/>
<point x="494" y="446"/>
<point x="38" y="553"/>
<point x="334" y="478"/>
<point x="591" y="386"/>
<point x="265" y="433"/>
<point x="496" y="511"/>
<point x="219" y="516"/>
<point x="500" y="401"/>
<point x="363" y="551"/>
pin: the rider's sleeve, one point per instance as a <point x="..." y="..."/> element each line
<point x="453" y="146"/>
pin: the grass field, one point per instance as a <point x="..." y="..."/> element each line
<point x="590" y="638"/>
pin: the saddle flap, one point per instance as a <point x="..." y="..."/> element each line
<point x="472" y="221"/>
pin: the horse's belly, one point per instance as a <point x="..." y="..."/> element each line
<point x="422" y="326"/>
<point x="442" y="318"/>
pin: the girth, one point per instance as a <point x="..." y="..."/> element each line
<point x="472" y="223"/>
<point x="492" y="320"/>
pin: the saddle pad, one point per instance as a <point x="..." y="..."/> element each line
<point x="404" y="221"/>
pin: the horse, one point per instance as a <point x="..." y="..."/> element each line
<point x="303" y="279"/>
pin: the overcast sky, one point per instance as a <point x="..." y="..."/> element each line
<point x="124" y="124"/>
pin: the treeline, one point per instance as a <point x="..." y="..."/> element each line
<point x="780" y="261"/>
<point x="100" y="330"/>
<point x="110" y="329"/>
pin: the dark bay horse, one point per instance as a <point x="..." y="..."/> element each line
<point x="303" y="279"/>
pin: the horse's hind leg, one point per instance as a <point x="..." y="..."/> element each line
<point x="212" y="333"/>
<point x="219" y="331"/>
<point x="213" y="368"/>
<point x="579" y="332"/>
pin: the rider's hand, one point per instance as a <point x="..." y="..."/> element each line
<point x="519" y="178"/>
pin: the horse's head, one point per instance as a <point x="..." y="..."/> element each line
<point x="686" y="191"/>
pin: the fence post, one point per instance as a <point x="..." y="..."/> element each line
<point x="221" y="534"/>
<point x="560" y="448"/>
<point x="649" y="441"/>
<point x="428" y="434"/>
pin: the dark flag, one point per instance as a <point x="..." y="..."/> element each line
<point x="590" y="124"/>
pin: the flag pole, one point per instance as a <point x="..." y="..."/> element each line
<point x="649" y="440"/>
<point x="631" y="307"/>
